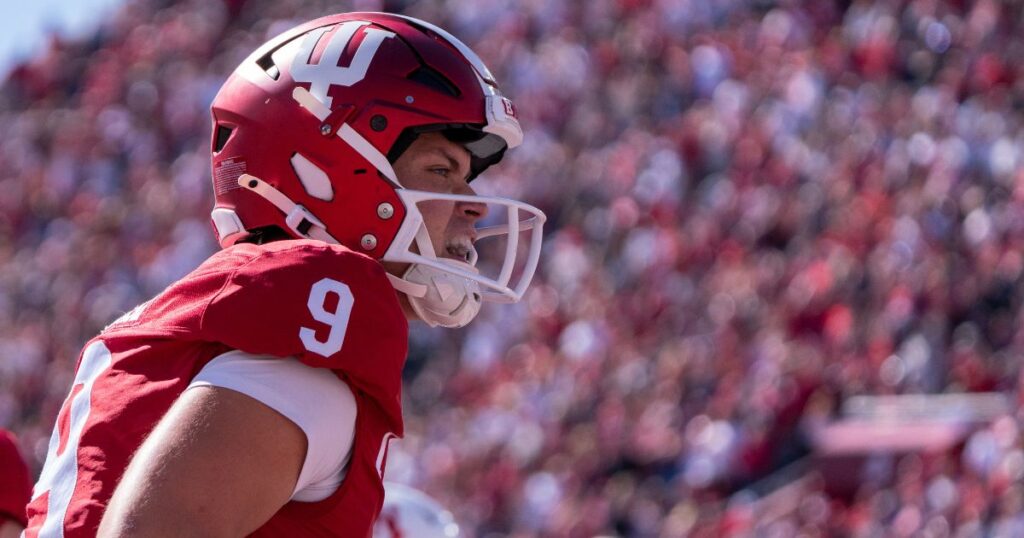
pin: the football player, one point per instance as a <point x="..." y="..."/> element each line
<point x="14" y="486"/>
<point x="258" y="394"/>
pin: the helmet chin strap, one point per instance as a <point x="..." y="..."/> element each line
<point x="444" y="300"/>
<point x="406" y="287"/>
<point x="438" y="297"/>
<point x="450" y="300"/>
<point x="300" y="220"/>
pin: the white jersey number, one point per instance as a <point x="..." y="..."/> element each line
<point x="326" y="72"/>
<point x="336" y="320"/>
<point x="60" y="473"/>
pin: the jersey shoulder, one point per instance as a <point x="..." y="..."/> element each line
<point x="277" y="263"/>
<point x="325" y="305"/>
<point x="178" y="308"/>
<point x="285" y="260"/>
<point x="286" y="273"/>
<point x="245" y="276"/>
<point x="307" y="299"/>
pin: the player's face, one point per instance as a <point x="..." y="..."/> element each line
<point x="435" y="164"/>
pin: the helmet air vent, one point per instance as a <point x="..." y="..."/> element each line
<point x="434" y="80"/>
<point x="266" y="63"/>
<point x="221" y="135"/>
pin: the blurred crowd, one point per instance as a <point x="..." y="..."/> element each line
<point x="757" y="209"/>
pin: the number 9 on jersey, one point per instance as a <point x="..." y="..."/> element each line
<point x="336" y="320"/>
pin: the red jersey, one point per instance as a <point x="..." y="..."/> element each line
<point x="14" y="482"/>
<point x="325" y="305"/>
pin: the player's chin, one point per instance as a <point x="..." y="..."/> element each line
<point x="396" y="268"/>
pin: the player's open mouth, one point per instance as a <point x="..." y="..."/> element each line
<point x="460" y="249"/>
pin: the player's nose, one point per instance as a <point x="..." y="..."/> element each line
<point x="473" y="211"/>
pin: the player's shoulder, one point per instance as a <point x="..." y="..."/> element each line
<point x="321" y="303"/>
<point x="294" y="256"/>
<point x="246" y="278"/>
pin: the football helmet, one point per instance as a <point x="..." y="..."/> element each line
<point x="305" y="132"/>
<point x="410" y="513"/>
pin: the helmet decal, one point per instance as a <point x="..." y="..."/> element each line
<point x="326" y="71"/>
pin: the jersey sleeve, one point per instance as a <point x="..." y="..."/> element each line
<point x="319" y="403"/>
<point x="324" y="305"/>
<point x="15" y="488"/>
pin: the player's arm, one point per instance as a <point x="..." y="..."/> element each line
<point x="219" y="463"/>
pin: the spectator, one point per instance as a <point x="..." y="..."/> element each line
<point x="757" y="208"/>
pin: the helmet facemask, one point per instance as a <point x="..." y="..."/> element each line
<point x="448" y="289"/>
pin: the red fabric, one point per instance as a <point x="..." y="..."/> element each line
<point x="15" y="487"/>
<point x="253" y="298"/>
<point x="352" y="510"/>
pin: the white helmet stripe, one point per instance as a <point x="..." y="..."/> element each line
<point x="499" y="122"/>
<point x="294" y="213"/>
<point x="310" y="103"/>
<point x="347" y="133"/>
<point x="474" y="60"/>
<point x="369" y="152"/>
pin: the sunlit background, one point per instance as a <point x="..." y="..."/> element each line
<point x="25" y="27"/>
<point x="781" y="292"/>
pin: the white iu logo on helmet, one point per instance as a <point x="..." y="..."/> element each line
<point x="326" y="72"/>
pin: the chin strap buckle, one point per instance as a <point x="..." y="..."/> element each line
<point x="299" y="219"/>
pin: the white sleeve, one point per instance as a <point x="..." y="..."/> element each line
<point x="313" y="398"/>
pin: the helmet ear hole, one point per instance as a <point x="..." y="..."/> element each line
<point x="220" y="137"/>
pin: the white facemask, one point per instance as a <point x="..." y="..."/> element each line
<point x="449" y="292"/>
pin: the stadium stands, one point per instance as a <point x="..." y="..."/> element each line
<point x="759" y="210"/>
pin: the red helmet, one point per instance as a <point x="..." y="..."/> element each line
<point x="306" y="129"/>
